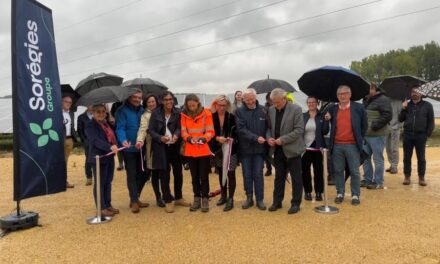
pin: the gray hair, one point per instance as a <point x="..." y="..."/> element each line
<point x="249" y="91"/>
<point x="343" y="87"/>
<point x="278" y="92"/>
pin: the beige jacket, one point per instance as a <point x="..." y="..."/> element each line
<point x="144" y="137"/>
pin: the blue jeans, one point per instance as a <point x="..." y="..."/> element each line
<point x="346" y="153"/>
<point x="252" y="165"/>
<point x="374" y="147"/>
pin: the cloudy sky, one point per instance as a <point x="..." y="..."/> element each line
<point x="215" y="46"/>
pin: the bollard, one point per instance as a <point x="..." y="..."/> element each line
<point x="326" y="209"/>
<point x="98" y="219"/>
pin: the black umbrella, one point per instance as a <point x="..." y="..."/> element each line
<point x="399" y="87"/>
<point x="323" y="83"/>
<point x="431" y="90"/>
<point x="67" y="90"/>
<point x="147" y="85"/>
<point x="106" y="94"/>
<point x="267" y="85"/>
<point x="97" y="80"/>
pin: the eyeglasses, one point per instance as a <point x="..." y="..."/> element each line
<point x="168" y="99"/>
<point x="344" y="93"/>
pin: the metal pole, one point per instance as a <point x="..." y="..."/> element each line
<point x="99" y="219"/>
<point x="325" y="209"/>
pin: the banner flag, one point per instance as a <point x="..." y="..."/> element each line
<point x="39" y="166"/>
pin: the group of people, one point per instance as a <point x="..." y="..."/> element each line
<point x="156" y="137"/>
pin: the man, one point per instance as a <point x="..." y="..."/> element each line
<point x="128" y="118"/>
<point x="69" y="130"/>
<point x="379" y="112"/>
<point x="393" y="138"/>
<point x="348" y="126"/>
<point x="83" y="120"/>
<point x="286" y="139"/>
<point x="252" y="127"/>
<point x="418" y="118"/>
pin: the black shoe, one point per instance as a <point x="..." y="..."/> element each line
<point x="355" y="200"/>
<point x="318" y="197"/>
<point x="388" y="170"/>
<point x="222" y="201"/>
<point x="160" y="203"/>
<point x="229" y="205"/>
<point x="294" y="209"/>
<point x="339" y="199"/>
<point x="365" y="183"/>
<point x="261" y="205"/>
<point x="275" y="207"/>
<point x="268" y="173"/>
<point x="186" y="166"/>
<point x="120" y="167"/>
<point x="308" y="196"/>
<point x="331" y="182"/>
<point x="248" y="203"/>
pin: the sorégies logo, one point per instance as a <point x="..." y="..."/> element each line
<point x="41" y="131"/>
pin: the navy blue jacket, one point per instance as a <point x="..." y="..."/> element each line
<point x="322" y="128"/>
<point x="251" y="124"/>
<point x="98" y="143"/>
<point x="359" y="123"/>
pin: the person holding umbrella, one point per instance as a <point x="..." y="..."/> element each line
<point x="127" y="125"/>
<point x="418" y="118"/>
<point x="197" y="131"/>
<point x="348" y="127"/>
<point x="101" y="140"/>
<point x="165" y="131"/>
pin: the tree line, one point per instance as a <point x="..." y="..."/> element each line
<point x="422" y="61"/>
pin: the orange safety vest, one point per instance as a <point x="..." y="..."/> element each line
<point x="200" y="126"/>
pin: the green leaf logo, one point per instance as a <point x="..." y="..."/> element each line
<point x="45" y="132"/>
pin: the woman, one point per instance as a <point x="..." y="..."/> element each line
<point x="102" y="140"/>
<point x="197" y="131"/>
<point x="315" y="129"/>
<point x="143" y="136"/>
<point x="224" y="127"/>
<point x="238" y="101"/>
<point x="164" y="128"/>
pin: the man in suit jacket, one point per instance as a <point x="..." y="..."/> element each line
<point x="348" y="127"/>
<point x="285" y="137"/>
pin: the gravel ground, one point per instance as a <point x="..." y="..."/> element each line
<point x="400" y="224"/>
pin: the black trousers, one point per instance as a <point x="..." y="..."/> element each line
<point x="312" y="158"/>
<point x="283" y="165"/>
<point x="417" y="141"/>
<point x="87" y="165"/>
<point x="155" y="182"/>
<point x="136" y="178"/>
<point x="175" y="162"/>
<point x="231" y="183"/>
<point x="199" y="168"/>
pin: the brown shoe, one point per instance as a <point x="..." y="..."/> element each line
<point x="134" y="207"/>
<point x="143" y="205"/>
<point x="68" y="185"/>
<point x="182" y="202"/>
<point x="114" y="210"/>
<point x="89" y="181"/>
<point x="422" y="181"/>
<point x="407" y="180"/>
<point x="169" y="207"/>
<point x="107" y="212"/>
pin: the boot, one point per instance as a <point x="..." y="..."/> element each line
<point x="195" y="205"/>
<point x="223" y="199"/>
<point x="134" y="207"/>
<point x="248" y="203"/>
<point x="169" y="207"/>
<point x="422" y="181"/>
<point x="229" y="205"/>
<point x="205" y="205"/>
<point x="407" y="180"/>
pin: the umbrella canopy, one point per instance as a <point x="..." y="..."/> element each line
<point x="399" y="87"/>
<point x="106" y="94"/>
<point x="66" y="89"/>
<point x="323" y="83"/>
<point x="431" y="90"/>
<point x="96" y="81"/>
<point x="147" y="85"/>
<point x="267" y="85"/>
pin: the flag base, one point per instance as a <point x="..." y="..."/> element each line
<point x="326" y="209"/>
<point x="16" y="222"/>
<point x="98" y="220"/>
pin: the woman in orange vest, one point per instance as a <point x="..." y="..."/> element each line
<point x="197" y="131"/>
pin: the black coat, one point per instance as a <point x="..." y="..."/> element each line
<point x="82" y="122"/>
<point x="98" y="143"/>
<point x="230" y="130"/>
<point x="157" y="130"/>
<point x="322" y="128"/>
<point x="251" y="124"/>
<point x="418" y="118"/>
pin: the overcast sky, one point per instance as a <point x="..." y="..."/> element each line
<point x="101" y="36"/>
